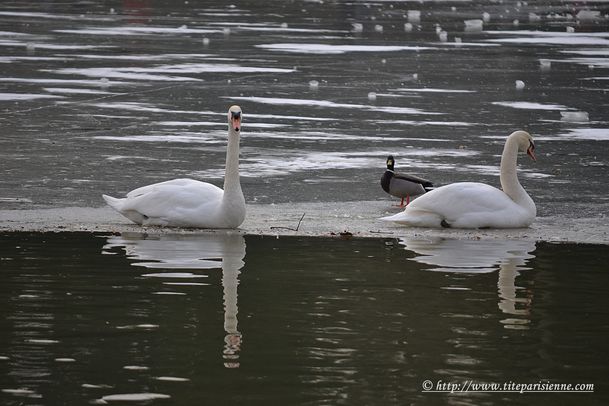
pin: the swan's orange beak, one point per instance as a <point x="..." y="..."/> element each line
<point x="531" y="152"/>
<point x="236" y="122"/>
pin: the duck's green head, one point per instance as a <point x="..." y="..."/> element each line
<point x="390" y="162"/>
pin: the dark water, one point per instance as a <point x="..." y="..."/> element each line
<point x="227" y="319"/>
<point x="104" y="96"/>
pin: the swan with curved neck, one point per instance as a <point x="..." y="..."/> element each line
<point x="478" y="205"/>
<point x="189" y="202"/>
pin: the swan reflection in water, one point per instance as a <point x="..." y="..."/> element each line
<point x="207" y="251"/>
<point x="509" y="257"/>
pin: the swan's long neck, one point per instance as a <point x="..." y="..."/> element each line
<point x="232" y="185"/>
<point x="509" y="179"/>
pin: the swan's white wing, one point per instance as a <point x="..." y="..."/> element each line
<point x="167" y="199"/>
<point x="465" y="204"/>
<point x="184" y="182"/>
<point x="453" y="200"/>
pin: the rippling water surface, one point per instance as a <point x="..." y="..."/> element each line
<point x="226" y="319"/>
<point x="101" y="97"/>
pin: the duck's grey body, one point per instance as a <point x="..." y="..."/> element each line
<point x="401" y="185"/>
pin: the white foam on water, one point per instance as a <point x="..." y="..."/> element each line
<point x="214" y="124"/>
<point x="320" y="136"/>
<point x="465" y="44"/>
<point x="14" y="34"/>
<point x="66" y="360"/>
<point x="186" y="284"/>
<point x="424" y="123"/>
<point x="145" y="107"/>
<point x="430" y="90"/>
<point x="591" y="134"/>
<point x="589" y="61"/>
<point x="22" y="392"/>
<point x="137" y="30"/>
<point x="167" y="72"/>
<point x="26" y="96"/>
<point x="71" y="90"/>
<point x="95" y="386"/>
<point x="551" y="38"/>
<point x="534" y="33"/>
<point x="191" y="124"/>
<point x="188" y="139"/>
<point x="171" y="379"/>
<point x="121" y="73"/>
<point x="147" y="57"/>
<point x="329" y="49"/>
<point x="136" y="157"/>
<point x="212" y="68"/>
<point x="596" y="78"/>
<point x="40" y="341"/>
<point x="169" y="293"/>
<point x="185" y="275"/>
<point x="531" y="105"/>
<point x="288" y="30"/>
<point x="134" y="397"/>
<point x="330" y="104"/>
<point x="587" y="52"/>
<point x="61" y="47"/>
<point x="54" y="16"/>
<point x="11" y="59"/>
<point x="136" y="368"/>
<point x="138" y="326"/>
<point x="75" y="82"/>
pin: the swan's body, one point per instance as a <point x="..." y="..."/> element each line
<point x="477" y="205"/>
<point x="189" y="202"/>
<point x="402" y="185"/>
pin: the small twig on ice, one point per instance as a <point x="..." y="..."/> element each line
<point x="290" y="228"/>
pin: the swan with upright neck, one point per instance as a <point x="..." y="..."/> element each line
<point x="478" y="205"/>
<point x="189" y="202"/>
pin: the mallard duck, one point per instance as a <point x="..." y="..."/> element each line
<point x="401" y="185"/>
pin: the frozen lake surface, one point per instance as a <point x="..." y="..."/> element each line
<point x="102" y="97"/>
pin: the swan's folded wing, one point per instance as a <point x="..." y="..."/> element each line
<point x="163" y="199"/>
<point x="452" y="201"/>
<point x="155" y="186"/>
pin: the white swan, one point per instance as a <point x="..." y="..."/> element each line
<point x="477" y="205"/>
<point x="188" y="202"/>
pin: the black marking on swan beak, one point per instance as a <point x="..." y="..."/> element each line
<point x="531" y="151"/>
<point x="236" y="117"/>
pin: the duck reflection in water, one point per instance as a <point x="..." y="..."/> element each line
<point x="509" y="257"/>
<point x="224" y="250"/>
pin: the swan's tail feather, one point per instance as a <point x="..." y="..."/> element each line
<point x="417" y="218"/>
<point x="117" y="204"/>
<point x="113" y="202"/>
